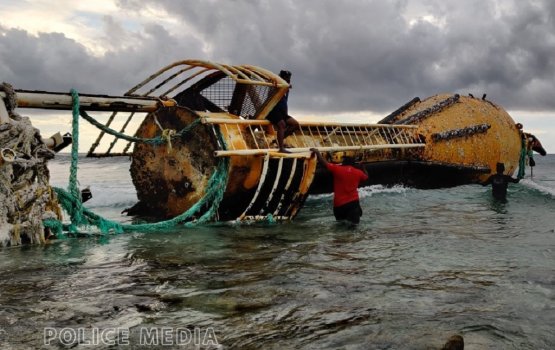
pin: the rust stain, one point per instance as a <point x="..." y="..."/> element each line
<point x="174" y="181"/>
<point x="252" y="178"/>
<point x="501" y="143"/>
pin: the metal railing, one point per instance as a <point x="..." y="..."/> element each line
<point x="257" y="137"/>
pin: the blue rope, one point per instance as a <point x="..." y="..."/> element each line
<point x="82" y="217"/>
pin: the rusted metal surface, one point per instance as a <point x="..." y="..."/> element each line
<point x="467" y="133"/>
<point x="170" y="180"/>
<point x="444" y="140"/>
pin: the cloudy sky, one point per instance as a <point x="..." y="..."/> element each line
<point x="350" y="59"/>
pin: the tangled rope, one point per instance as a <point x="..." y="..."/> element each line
<point x="167" y="134"/>
<point x="80" y="216"/>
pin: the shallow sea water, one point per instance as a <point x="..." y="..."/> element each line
<point x="421" y="266"/>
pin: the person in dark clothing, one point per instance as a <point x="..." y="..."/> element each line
<point x="279" y="116"/>
<point x="346" y="179"/>
<point x="499" y="183"/>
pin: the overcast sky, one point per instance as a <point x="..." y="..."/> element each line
<point x="349" y="58"/>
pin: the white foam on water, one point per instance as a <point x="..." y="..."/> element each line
<point x="112" y="196"/>
<point x="319" y="196"/>
<point x="5" y="233"/>
<point x="367" y="191"/>
<point x="538" y="187"/>
<point x="109" y="181"/>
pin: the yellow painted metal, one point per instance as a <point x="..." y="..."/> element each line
<point x="170" y="81"/>
<point x="241" y="74"/>
<point x="183" y="170"/>
<point x="304" y="151"/>
<point x="500" y="143"/>
<point x="261" y="75"/>
<point x="247" y="142"/>
<point x="245" y="171"/>
<point x="256" y="137"/>
<point x="221" y="118"/>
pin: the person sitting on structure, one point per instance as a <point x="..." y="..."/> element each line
<point x="346" y="179"/>
<point x="499" y="183"/>
<point x="284" y="123"/>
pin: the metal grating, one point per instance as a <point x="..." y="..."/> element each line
<point x="245" y="91"/>
<point x="243" y="100"/>
<point x="324" y="136"/>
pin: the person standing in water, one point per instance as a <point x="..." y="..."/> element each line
<point x="346" y="179"/>
<point x="499" y="183"/>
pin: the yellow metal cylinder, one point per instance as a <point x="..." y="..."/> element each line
<point x="469" y="133"/>
<point x="170" y="179"/>
<point x="442" y="141"/>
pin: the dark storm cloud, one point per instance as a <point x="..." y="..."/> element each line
<point x="361" y="55"/>
<point x="345" y="55"/>
<point x="53" y="62"/>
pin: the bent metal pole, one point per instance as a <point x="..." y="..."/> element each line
<point x="63" y="101"/>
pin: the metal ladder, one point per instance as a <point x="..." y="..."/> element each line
<point x="258" y="137"/>
<point x="285" y="178"/>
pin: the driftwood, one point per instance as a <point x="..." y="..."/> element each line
<point x="25" y="194"/>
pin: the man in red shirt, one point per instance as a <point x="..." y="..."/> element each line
<point x="346" y="179"/>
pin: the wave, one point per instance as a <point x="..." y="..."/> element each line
<point x="115" y="205"/>
<point x="538" y="187"/>
<point x="367" y="191"/>
<point x="111" y="197"/>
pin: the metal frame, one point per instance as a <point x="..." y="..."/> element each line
<point x="325" y="136"/>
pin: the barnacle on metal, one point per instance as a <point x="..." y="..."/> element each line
<point x="415" y="118"/>
<point x="463" y="132"/>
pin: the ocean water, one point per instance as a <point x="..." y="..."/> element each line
<point x="422" y="265"/>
